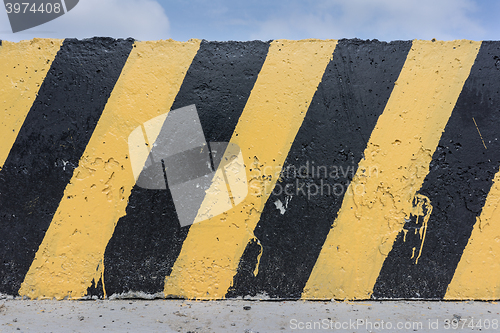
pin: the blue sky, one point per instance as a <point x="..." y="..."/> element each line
<point x="291" y="19"/>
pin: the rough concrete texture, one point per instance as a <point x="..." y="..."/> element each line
<point x="372" y="169"/>
<point x="246" y="316"/>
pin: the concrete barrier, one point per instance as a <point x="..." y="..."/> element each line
<point x="353" y="169"/>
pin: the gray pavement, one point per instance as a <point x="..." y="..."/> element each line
<point x="246" y="316"/>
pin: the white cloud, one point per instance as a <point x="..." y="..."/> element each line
<point x="140" y="19"/>
<point x="381" y="19"/>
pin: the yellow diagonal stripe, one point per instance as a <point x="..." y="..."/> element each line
<point x="396" y="161"/>
<point x="476" y="275"/>
<point x="23" y="67"/>
<point x="72" y="252"/>
<point x="265" y="131"/>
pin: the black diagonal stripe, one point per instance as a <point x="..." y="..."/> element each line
<point x="147" y="241"/>
<point x="352" y="95"/>
<point x="49" y="146"/>
<point x="460" y="177"/>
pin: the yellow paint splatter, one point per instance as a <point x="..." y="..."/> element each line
<point x="422" y="208"/>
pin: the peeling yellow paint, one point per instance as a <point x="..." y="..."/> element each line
<point x="72" y="252"/>
<point x="401" y="148"/>
<point x="272" y="117"/>
<point x="476" y="276"/>
<point x="23" y="67"/>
